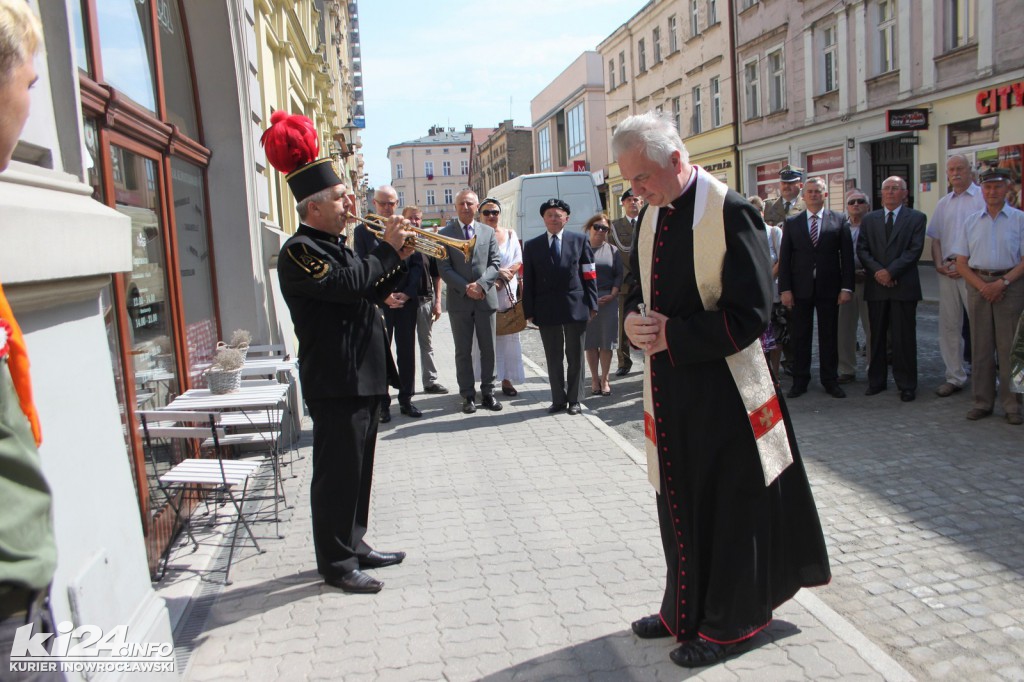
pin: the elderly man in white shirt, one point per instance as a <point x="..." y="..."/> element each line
<point x="990" y="256"/>
<point x="947" y="221"/>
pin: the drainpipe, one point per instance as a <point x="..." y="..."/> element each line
<point x="740" y="174"/>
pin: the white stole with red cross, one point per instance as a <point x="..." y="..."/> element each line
<point x="748" y="367"/>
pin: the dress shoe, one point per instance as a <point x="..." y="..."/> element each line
<point x="435" y="388"/>
<point x="356" y="582"/>
<point x="623" y="371"/>
<point x="846" y="378"/>
<point x="977" y="413"/>
<point x="385" y="415"/>
<point x="377" y="559"/>
<point x="1014" y="419"/>
<point x="835" y="391"/>
<point x="410" y="410"/>
<point x="907" y="396"/>
<point x="650" y="627"/>
<point x="491" y="403"/>
<point x="574" y="408"/>
<point x="556" y="408"/>
<point x="508" y="389"/>
<point x="468" y="405"/>
<point x="796" y="392"/>
<point x="698" y="653"/>
<point x="872" y="390"/>
<point x="947" y="389"/>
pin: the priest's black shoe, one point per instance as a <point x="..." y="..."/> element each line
<point x="385" y="415"/>
<point x="356" y="582"/>
<point x="410" y="410"/>
<point x="574" y="408"/>
<point x="698" y="653"/>
<point x="650" y="627"/>
<point x="468" y="406"/>
<point x="556" y="408"/>
<point x="377" y="559"/>
<point x="491" y="403"/>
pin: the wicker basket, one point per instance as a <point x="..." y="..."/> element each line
<point x="224" y="381"/>
<point x="243" y="349"/>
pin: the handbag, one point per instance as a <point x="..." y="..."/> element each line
<point x="513" y="320"/>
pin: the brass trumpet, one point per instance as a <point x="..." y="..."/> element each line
<point x="428" y="243"/>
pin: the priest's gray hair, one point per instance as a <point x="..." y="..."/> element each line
<point x="655" y="133"/>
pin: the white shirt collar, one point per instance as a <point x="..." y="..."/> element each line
<point x="820" y="214"/>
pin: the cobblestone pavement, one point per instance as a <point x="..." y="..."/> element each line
<point x="533" y="542"/>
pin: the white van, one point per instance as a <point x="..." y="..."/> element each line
<point x="521" y="199"/>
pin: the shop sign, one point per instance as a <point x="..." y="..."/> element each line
<point x="906" y="119"/>
<point x="579" y="166"/>
<point x="769" y="171"/>
<point x="1000" y="99"/>
<point x="712" y="167"/>
<point x="830" y="159"/>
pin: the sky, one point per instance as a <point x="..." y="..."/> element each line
<point x="453" y="62"/>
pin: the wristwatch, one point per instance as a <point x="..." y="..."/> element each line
<point x="1006" y="282"/>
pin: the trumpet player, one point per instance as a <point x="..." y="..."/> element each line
<point x="344" y="359"/>
<point x="400" y="309"/>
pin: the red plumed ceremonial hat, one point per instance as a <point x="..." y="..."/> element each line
<point x="292" y="147"/>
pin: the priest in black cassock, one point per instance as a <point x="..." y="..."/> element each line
<point x="738" y="524"/>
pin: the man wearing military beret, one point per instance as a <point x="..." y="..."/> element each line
<point x="345" y="361"/>
<point x="789" y="203"/>
<point x="621" y="235"/>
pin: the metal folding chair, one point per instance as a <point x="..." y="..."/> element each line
<point x="213" y="476"/>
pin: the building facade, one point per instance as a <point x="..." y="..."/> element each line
<point x="505" y="154"/>
<point x="430" y="171"/>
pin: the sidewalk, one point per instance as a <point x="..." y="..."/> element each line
<point x="533" y="542"/>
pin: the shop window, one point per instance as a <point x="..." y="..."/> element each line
<point x="767" y="178"/>
<point x="974" y="132"/>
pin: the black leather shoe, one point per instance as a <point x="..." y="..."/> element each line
<point x="650" y="627"/>
<point x="872" y="390"/>
<point x="377" y="559"/>
<point x="435" y="388"/>
<point x="491" y="403"/>
<point x="356" y="582"/>
<point x="698" y="653"/>
<point x="385" y="415"/>
<point x="907" y="396"/>
<point x="410" y="410"/>
<point x="574" y="408"/>
<point x="835" y="392"/>
<point x="556" y="408"/>
<point x="796" y="392"/>
<point x="468" y="405"/>
<point x="623" y="371"/>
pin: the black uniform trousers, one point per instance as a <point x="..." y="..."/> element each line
<point x="802" y="333"/>
<point x="344" y="441"/>
<point x="401" y="326"/>
<point x="898" y="318"/>
<point x="564" y="341"/>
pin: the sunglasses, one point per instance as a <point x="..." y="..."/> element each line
<point x="491" y="213"/>
<point x="600" y="228"/>
<point x="853" y="202"/>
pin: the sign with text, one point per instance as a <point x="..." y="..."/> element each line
<point x="906" y="119"/>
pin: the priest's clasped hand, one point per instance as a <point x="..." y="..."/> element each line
<point x="647" y="333"/>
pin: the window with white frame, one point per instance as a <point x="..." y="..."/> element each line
<point x="428" y="168"/>
<point x="886" y="36"/>
<point x="656" y="44"/>
<point x="622" y="68"/>
<point x="716" y="102"/>
<point x="446" y="168"/>
<point x="752" y="89"/>
<point x="641" y="55"/>
<point x="575" y="132"/>
<point x="431" y="199"/>
<point x="673" y="34"/>
<point x="747" y="4"/>
<point x="694" y="18"/>
<point x="449" y="197"/>
<point x="611" y="75"/>
<point x="831" y="70"/>
<point x="776" y="81"/>
<point x="961" y="19"/>
<point x="399" y="171"/>
<point x="544" y="149"/>
<point x="712" y="12"/>
<point x="401" y="199"/>
<point x="697" y="111"/>
<point x="464" y="167"/>
<point x="676" y="114"/>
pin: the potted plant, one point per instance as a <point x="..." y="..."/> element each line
<point x="225" y="374"/>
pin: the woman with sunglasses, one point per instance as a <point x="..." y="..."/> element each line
<point x="603" y="329"/>
<point x="508" y="351"/>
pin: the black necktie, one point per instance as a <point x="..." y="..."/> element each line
<point x="632" y="223"/>
<point x="888" y="226"/>
<point x="787" y="207"/>
<point x="556" y="252"/>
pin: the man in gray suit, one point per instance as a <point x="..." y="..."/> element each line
<point x="472" y="300"/>
<point x="889" y="246"/>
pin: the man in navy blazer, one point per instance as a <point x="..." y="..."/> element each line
<point x="560" y="297"/>
<point x="816" y="275"/>
<point x="889" y="246"/>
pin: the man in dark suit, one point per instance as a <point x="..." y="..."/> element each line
<point x="889" y="246"/>
<point x="401" y="308"/>
<point x="472" y="300"/>
<point x="621" y="235"/>
<point x="816" y="275"/>
<point x="560" y="296"/>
